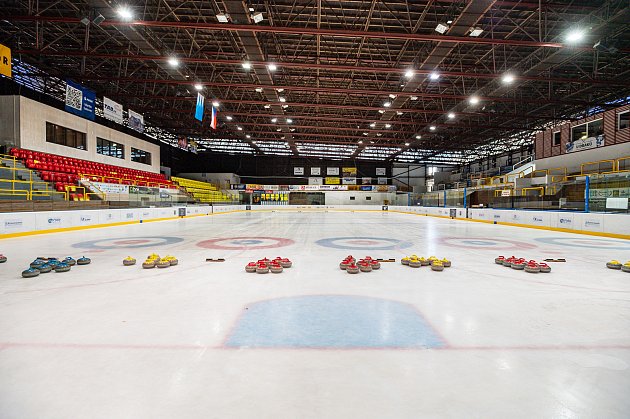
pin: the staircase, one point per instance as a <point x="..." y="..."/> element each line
<point x="40" y="188"/>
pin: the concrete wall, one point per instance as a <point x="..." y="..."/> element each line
<point x="32" y="127"/>
<point x="9" y="121"/>
<point x="223" y="180"/>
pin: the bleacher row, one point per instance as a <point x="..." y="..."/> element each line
<point x="65" y="172"/>
<point x="201" y="191"/>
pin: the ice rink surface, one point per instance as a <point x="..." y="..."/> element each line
<point x="207" y="340"/>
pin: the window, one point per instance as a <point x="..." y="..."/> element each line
<point x="57" y="134"/>
<point x="110" y="148"/>
<point x="431" y="170"/>
<point x="588" y="130"/>
<point x="556" y="138"/>
<point x="623" y="120"/>
<point x="140" y="156"/>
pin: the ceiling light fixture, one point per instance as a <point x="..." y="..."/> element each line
<point x="259" y="89"/>
<point x="434" y="76"/>
<point x="441" y="28"/>
<point x="239" y="128"/>
<point x="125" y="13"/>
<point x="406" y="144"/>
<point x="387" y="104"/>
<point x="576" y="35"/>
<point x="507" y="78"/>
<point x="476" y="32"/>
<point x="285" y="106"/>
<point x="248" y="136"/>
<point x="282" y="99"/>
<point x="266" y="106"/>
<point x="257" y="17"/>
<point x="247" y="65"/>
<point x="451" y="115"/>
<point x="289" y="121"/>
<point x="360" y="141"/>
<point x="373" y="125"/>
<point x="392" y="96"/>
<point x="388" y="125"/>
<point x="381" y="111"/>
<point x="229" y="118"/>
<point x="365" y="133"/>
<point x="414" y="98"/>
<point x="399" y="113"/>
<point x="272" y="67"/>
<point x="216" y="103"/>
<point x="418" y="137"/>
<point x="473" y="100"/>
<point x="409" y="74"/>
<point x="274" y="120"/>
<point x="432" y="127"/>
<point x="173" y="62"/>
<point x="223" y="17"/>
<point x="198" y="86"/>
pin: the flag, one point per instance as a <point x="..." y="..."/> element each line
<point x="213" y="121"/>
<point x="199" y="108"/>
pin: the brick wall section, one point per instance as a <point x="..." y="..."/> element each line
<point x="544" y="140"/>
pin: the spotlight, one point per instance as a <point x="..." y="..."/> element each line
<point x="272" y="67"/>
<point x="574" y="36"/>
<point x="289" y="121"/>
<point x="409" y="74"/>
<point x="413" y="98"/>
<point x="387" y="104"/>
<point x="432" y="128"/>
<point x="125" y="13"/>
<point x="418" y="137"/>
<point x="507" y="78"/>
<point x="257" y="17"/>
<point x="392" y="96"/>
<point x="406" y="144"/>
<point x="239" y="128"/>
<point x="473" y="100"/>
<point x="373" y="125"/>
<point x="434" y="76"/>
<point x="476" y="32"/>
<point x="174" y="62"/>
<point x="247" y="65"/>
<point x="274" y="120"/>
<point x="223" y="17"/>
<point x="388" y="125"/>
<point x="451" y="115"/>
<point x="248" y="136"/>
<point x="441" y="28"/>
<point x="198" y="86"/>
<point x="216" y="103"/>
<point x="229" y="118"/>
<point x="282" y="99"/>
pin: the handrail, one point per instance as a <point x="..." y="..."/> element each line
<point x="523" y="161"/>
<point x="134" y="182"/>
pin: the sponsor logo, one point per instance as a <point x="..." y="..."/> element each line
<point x="129" y="215"/>
<point x="537" y="219"/>
<point x="13" y="223"/>
<point x="85" y="219"/>
<point x="145" y="214"/>
<point x="591" y="223"/>
<point x="54" y="220"/>
<point x="497" y="216"/>
<point x="565" y="221"/>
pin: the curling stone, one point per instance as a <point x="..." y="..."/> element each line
<point x="70" y="261"/>
<point x="351" y="258"/>
<point x="499" y="260"/>
<point x="45" y="268"/>
<point x="446" y="263"/>
<point x="62" y="267"/>
<point x="405" y="260"/>
<point x="437" y="266"/>
<point x="275" y="268"/>
<point x="30" y="273"/>
<point x="250" y="267"/>
<point x="424" y="262"/>
<point x="508" y="262"/>
<point x="3" y="258"/>
<point x="352" y="269"/>
<point x="532" y="267"/>
<point x="83" y="261"/>
<point x="626" y="267"/>
<point x="613" y="264"/>
<point x="519" y="265"/>
<point x="285" y="263"/>
<point x="415" y="263"/>
<point x="544" y="268"/>
<point x="171" y="259"/>
<point x="262" y="268"/>
<point x="432" y="259"/>
<point x="128" y="261"/>
<point x="365" y="266"/>
<point x="37" y="263"/>
<point x="375" y="264"/>
<point x="149" y="263"/>
<point x="345" y="263"/>
<point x="163" y="263"/>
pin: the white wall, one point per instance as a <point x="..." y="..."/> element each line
<point x="343" y="197"/>
<point x="32" y="121"/>
<point x="223" y="180"/>
<point x="572" y="161"/>
<point x="417" y="176"/>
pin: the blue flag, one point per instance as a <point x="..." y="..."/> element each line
<point x="199" y="108"/>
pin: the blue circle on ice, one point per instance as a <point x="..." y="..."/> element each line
<point x="127" y="242"/>
<point x="363" y="243"/>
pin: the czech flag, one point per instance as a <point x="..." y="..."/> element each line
<point x="213" y="121"/>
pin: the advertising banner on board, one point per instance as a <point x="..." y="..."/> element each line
<point x="112" y="110"/>
<point x="332" y="181"/>
<point x="349" y="172"/>
<point x="586" y="143"/>
<point x="111" y="188"/>
<point x="136" y="121"/>
<point x="349" y="181"/>
<point x="332" y="171"/>
<point x="80" y="100"/>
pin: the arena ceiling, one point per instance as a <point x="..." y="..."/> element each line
<point x="339" y="79"/>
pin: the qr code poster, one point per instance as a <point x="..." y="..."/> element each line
<point x="74" y="97"/>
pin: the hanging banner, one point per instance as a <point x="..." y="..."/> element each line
<point x="382" y="181"/>
<point x="136" y="121"/>
<point x="349" y="181"/>
<point x="332" y="181"/>
<point x="349" y="171"/>
<point x="586" y="143"/>
<point x="315" y="181"/>
<point x="112" y="110"/>
<point x="199" y="108"/>
<point x="5" y="61"/>
<point x="366" y="181"/>
<point x="213" y="120"/>
<point x="80" y="100"/>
